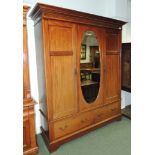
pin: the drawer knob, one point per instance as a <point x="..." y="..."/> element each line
<point x="63" y="128"/>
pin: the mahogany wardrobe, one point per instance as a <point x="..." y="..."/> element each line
<point x="79" y="72"/>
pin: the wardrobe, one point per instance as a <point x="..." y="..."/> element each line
<point x="29" y="140"/>
<point x="79" y="89"/>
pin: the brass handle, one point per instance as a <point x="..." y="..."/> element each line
<point x="104" y="69"/>
<point x="63" y="128"/>
<point x="75" y="71"/>
<point x="84" y="120"/>
<point x="99" y="115"/>
<point x="113" y="109"/>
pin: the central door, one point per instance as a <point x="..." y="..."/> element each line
<point x="90" y="62"/>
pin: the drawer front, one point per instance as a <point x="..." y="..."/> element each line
<point x="100" y="114"/>
<point x="112" y="109"/>
<point x="62" y="128"/>
<point x="106" y="112"/>
<point x="67" y="126"/>
<point x="70" y="125"/>
<point x="86" y="119"/>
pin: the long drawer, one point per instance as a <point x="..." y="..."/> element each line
<point x="64" y="127"/>
<point x="70" y="125"/>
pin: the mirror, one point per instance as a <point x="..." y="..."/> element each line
<point x="90" y="66"/>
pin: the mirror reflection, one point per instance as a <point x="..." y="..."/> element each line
<point x="90" y="66"/>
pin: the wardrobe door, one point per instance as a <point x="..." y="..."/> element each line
<point x="90" y="62"/>
<point x="113" y="68"/>
<point x="62" y="40"/>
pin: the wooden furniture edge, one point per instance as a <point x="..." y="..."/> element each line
<point x="32" y="151"/>
<point x="25" y="10"/>
<point x="29" y="102"/>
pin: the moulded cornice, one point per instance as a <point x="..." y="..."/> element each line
<point x="53" y="12"/>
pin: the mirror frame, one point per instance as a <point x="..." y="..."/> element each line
<point x="94" y="86"/>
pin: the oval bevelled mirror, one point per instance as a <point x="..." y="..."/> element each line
<point x="90" y="66"/>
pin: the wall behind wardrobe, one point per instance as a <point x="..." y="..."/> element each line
<point x="117" y="9"/>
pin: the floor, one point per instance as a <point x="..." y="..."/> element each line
<point x="127" y="111"/>
<point x="112" y="139"/>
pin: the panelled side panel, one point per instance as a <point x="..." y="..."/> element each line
<point x="113" y="65"/>
<point x="41" y="73"/>
<point x="62" y="67"/>
<point x="40" y="67"/>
